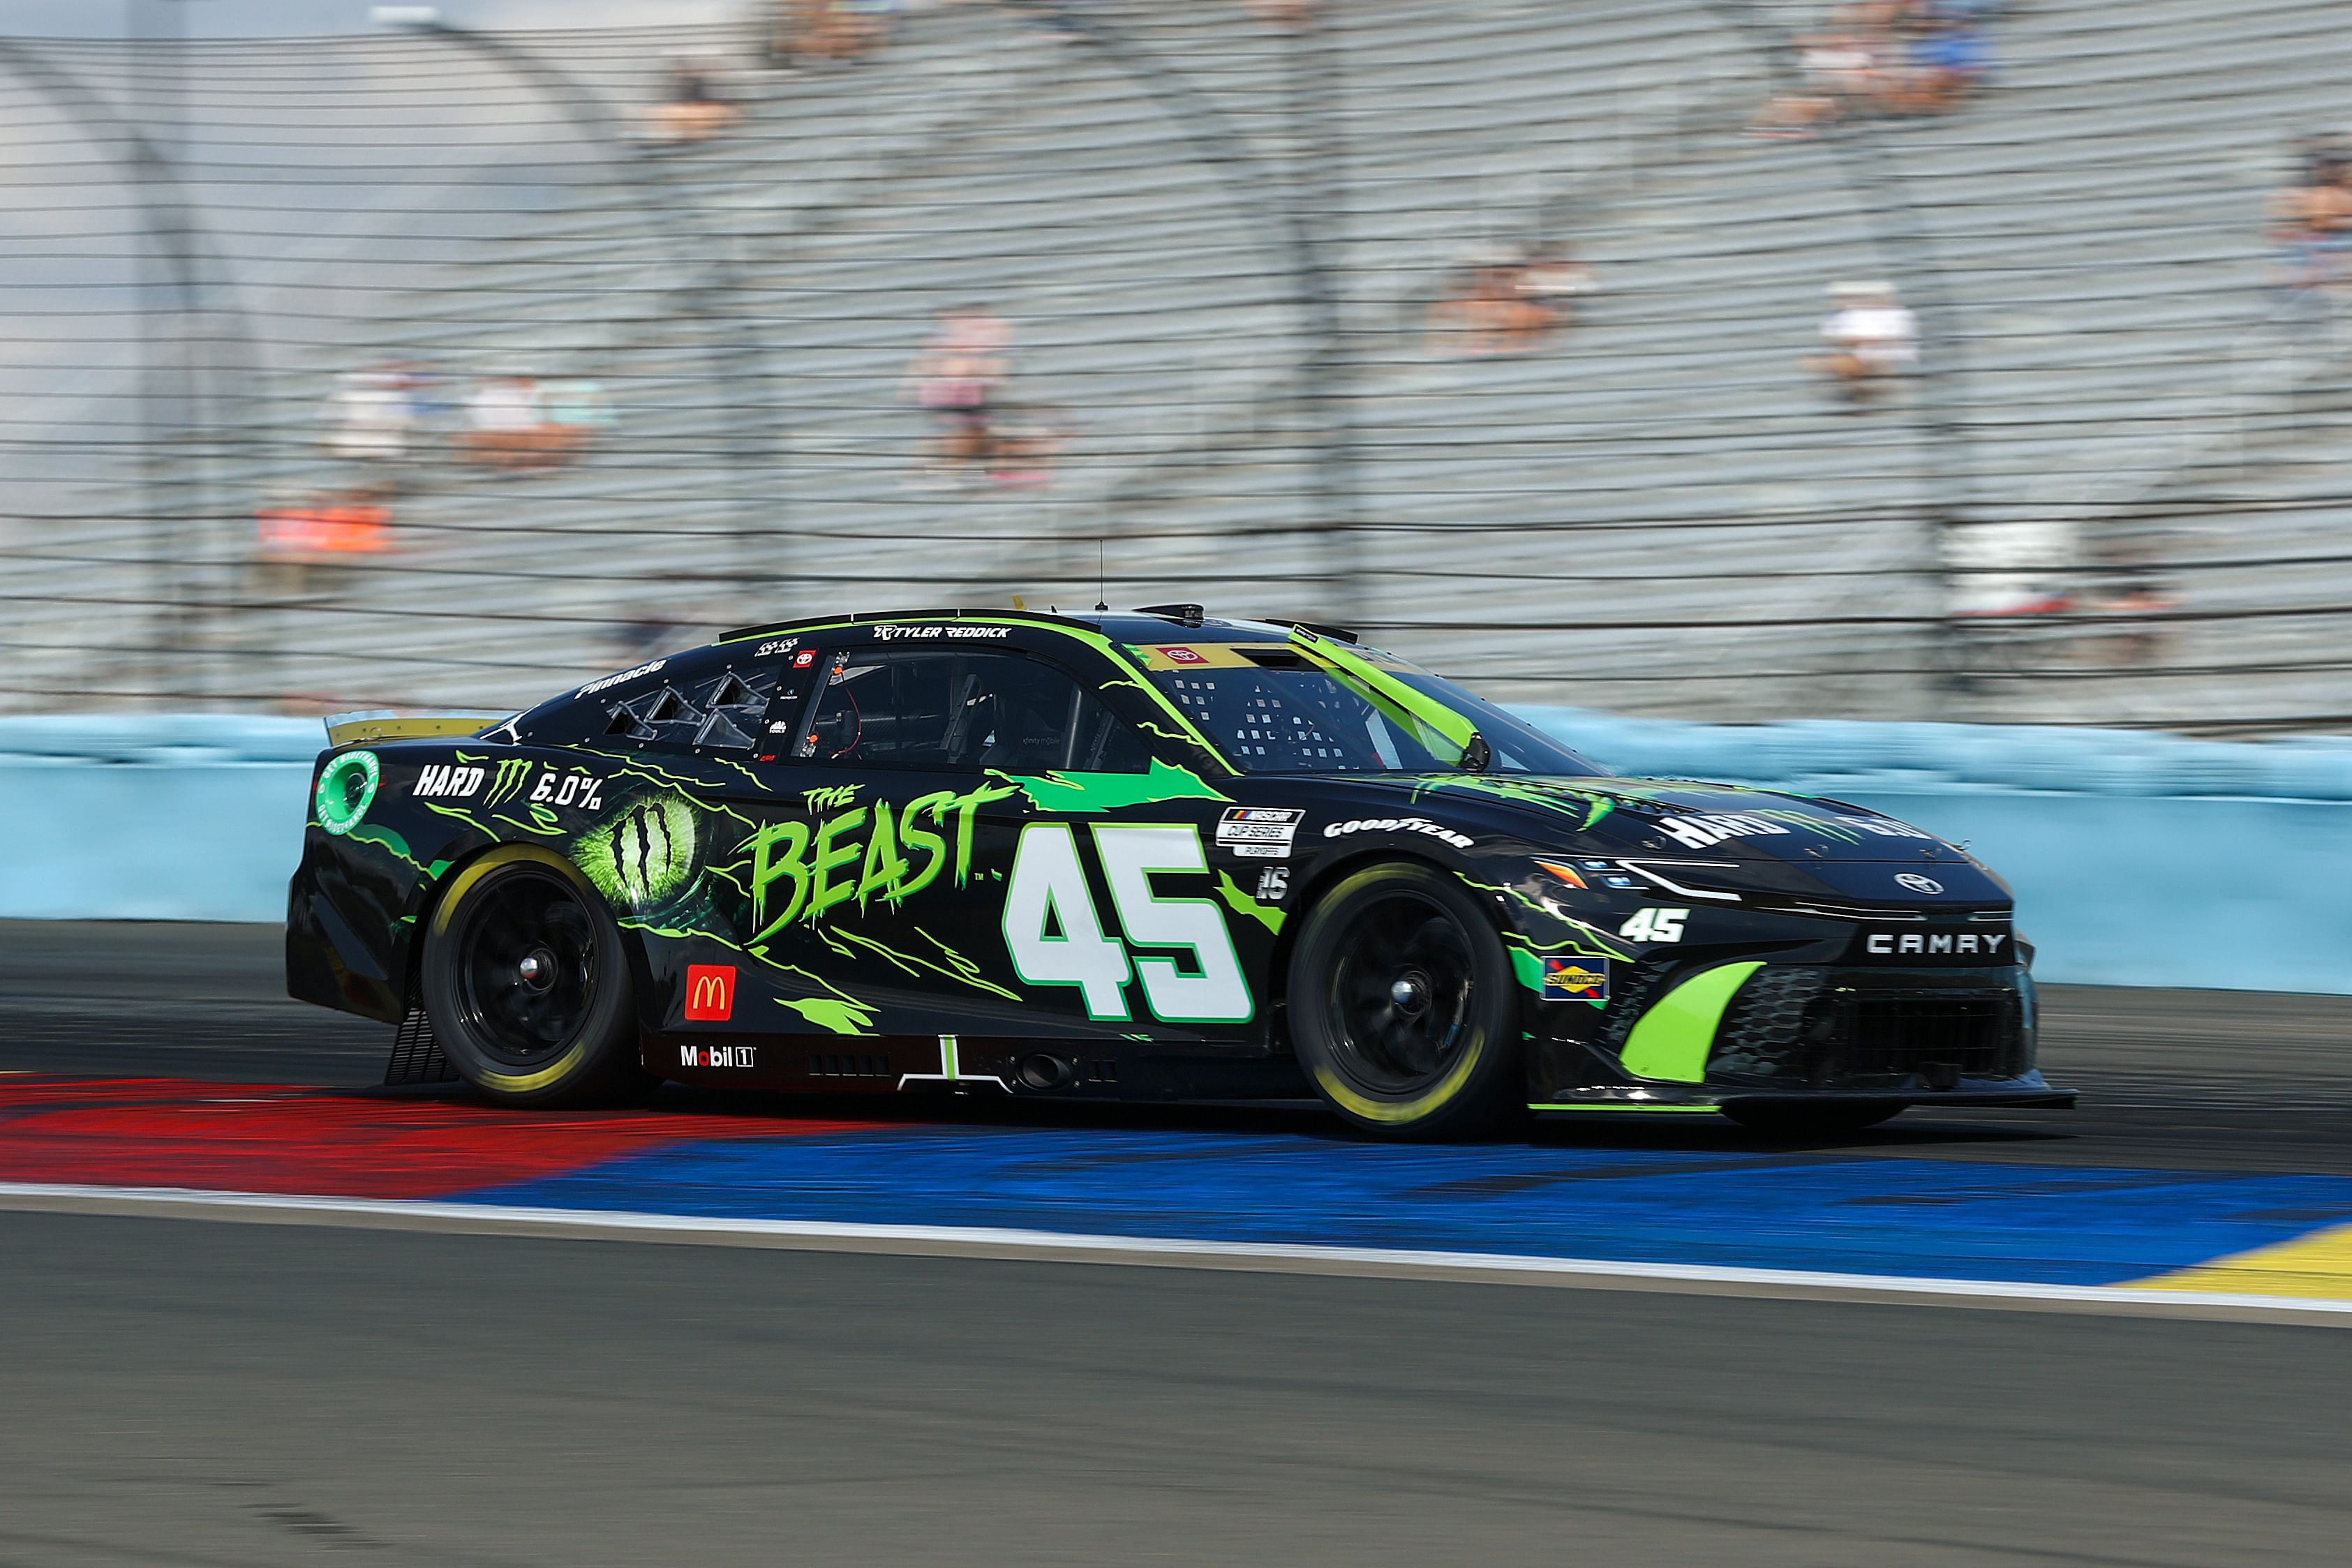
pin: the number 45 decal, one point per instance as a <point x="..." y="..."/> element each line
<point x="1056" y="936"/>
<point x="1655" y="925"/>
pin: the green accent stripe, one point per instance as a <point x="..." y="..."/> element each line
<point x="1354" y="668"/>
<point x="1672" y="1039"/>
<point x="1241" y="903"/>
<point x="1624" y="1105"/>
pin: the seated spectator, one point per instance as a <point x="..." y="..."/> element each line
<point x="958" y="376"/>
<point x="1508" y="307"/>
<point x="1947" y="62"/>
<point x="824" y="30"/>
<point x="324" y="529"/>
<point x="694" y="108"/>
<point x="1023" y="445"/>
<point x="1551" y="275"/>
<point x="375" y="413"/>
<point x="2311" y="220"/>
<point x="577" y="410"/>
<point x="506" y="426"/>
<point x="1286" y="12"/>
<point x="1846" y="74"/>
<point x="1871" y="339"/>
<point x="1883" y="57"/>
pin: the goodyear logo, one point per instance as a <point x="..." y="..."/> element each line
<point x="1576" y="979"/>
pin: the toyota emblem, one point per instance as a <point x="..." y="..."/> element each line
<point x="1917" y="884"/>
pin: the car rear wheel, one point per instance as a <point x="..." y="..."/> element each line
<point x="1827" y="1120"/>
<point x="1402" y="1006"/>
<point x="527" y="984"/>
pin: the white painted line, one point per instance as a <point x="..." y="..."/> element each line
<point x="1007" y="1242"/>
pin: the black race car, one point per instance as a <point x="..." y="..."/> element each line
<point x="1146" y="855"/>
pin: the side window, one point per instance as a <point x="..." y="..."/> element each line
<point x="719" y="710"/>
<point x="907" y="707"/>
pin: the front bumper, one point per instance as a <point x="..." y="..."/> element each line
<point x="1796" y="1034"/>
<point x="2027" y="1093"/>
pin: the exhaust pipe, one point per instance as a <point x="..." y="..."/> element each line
<point x="1043" y="1070"/>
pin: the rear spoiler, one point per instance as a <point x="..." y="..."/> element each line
<point x="384" y="724"/>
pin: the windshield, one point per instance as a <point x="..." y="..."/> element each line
<point x="1273" y="709"/>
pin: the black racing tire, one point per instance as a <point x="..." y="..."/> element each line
<point x="528" y="985"/>
<point x="1833" y="1120"/>
<point x="1404" y="1007"/>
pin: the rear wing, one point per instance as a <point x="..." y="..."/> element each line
<point x="385" y="724"/>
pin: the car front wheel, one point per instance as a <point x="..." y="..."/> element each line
<point x="1402" y="1006"/>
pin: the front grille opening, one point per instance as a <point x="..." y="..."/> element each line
<point x="1792" y="1029"/>
<point x="1937" y="1039"/>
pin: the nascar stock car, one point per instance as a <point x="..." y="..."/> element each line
<point x="1138" y="855"/>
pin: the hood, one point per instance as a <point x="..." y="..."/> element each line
<point x="1697" y="835"/>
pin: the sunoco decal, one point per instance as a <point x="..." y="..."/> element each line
<point x="1575" y="980"/>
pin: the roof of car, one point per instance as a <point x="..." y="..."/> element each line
<point x="1154" y="623"/>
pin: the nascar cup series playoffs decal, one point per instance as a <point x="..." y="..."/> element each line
<point x="345" y="791"/>
<point x="1258" y="833"/>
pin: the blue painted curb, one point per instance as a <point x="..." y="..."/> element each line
<point x="1832" y="1214"/>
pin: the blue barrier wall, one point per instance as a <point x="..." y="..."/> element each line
<point x="2137" y="858"/>
<point x="152" y="817"/>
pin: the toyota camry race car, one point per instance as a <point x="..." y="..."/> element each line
<point x="1146" y="855"/>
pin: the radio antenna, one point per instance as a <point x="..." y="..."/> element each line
<point x="1102" y="577"/>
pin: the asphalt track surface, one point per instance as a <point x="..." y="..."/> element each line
<point x="179" y="1392"/>
<point x="2195" y="1079"/>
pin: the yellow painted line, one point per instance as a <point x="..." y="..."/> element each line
<point x="2318" y="1265"/>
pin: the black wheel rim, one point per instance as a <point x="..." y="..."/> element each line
<point x="527" y="967"/>
<point x="1401" y="995"/>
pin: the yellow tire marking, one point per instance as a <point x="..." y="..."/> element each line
<point x="1399" y="1113"/>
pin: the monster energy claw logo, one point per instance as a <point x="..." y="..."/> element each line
<point x="507" y="782"/>
<point x="345" y="790"/>
<point x="644" y="856"/>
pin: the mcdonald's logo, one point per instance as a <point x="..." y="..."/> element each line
<point x="709" y="993"/>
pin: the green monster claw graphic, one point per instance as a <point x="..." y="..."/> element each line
<point x="644" y="856"/>
<point x="507" y="782"/>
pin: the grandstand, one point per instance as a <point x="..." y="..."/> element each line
<point x="1656" y="511"/>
